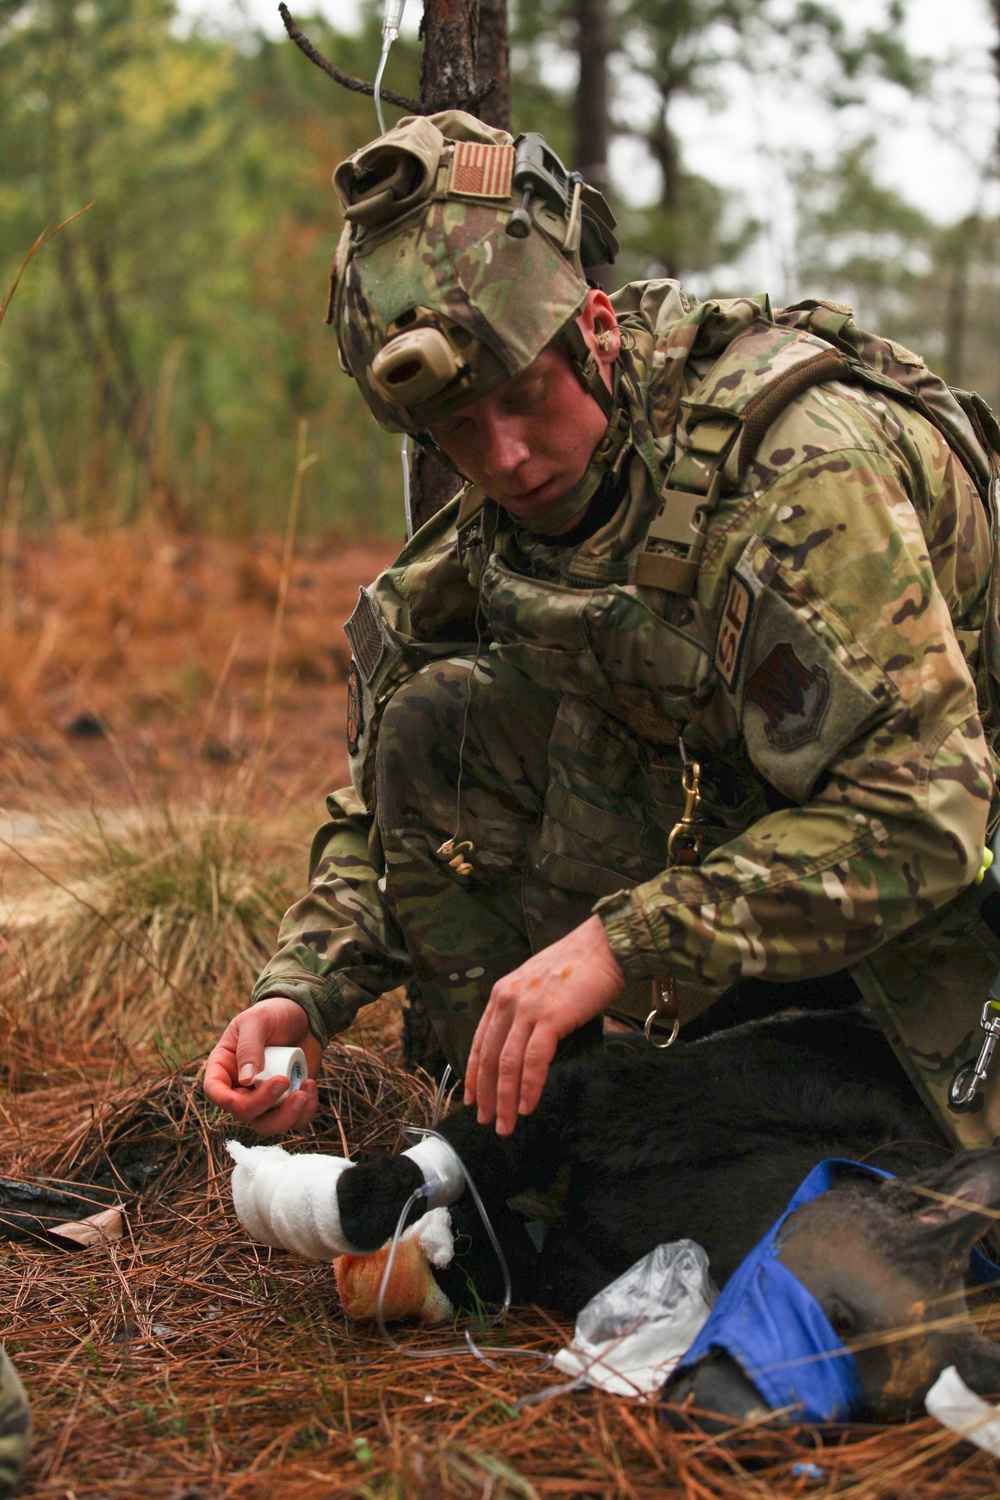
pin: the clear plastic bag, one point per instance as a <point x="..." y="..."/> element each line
<point x="631" y="1335"/>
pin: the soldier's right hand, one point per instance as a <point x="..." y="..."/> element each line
<point x="239" y="1056"/>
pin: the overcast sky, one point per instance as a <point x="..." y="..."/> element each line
<point x="933" y="152"/>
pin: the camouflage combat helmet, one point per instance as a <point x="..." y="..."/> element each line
<point x="464" y="254"/>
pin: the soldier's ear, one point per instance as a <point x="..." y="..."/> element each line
<point x="599" y="325"/>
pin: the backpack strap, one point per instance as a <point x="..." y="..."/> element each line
<point x="720" y="426"/>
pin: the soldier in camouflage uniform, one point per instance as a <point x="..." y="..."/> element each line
<point x="15" y="1427"/>
<point x="699" y="540"/>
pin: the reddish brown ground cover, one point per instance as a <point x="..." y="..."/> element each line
<point x="137" y="652"/>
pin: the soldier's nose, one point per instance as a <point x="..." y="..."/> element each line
<point x="503" y="449"/>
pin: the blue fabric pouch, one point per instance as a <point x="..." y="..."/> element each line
<point x="776" y="1331"/>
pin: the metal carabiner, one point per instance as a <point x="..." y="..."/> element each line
<point x="967" y="1081"/>
<point x="684" y="843"/>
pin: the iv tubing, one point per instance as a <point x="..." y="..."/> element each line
<point x="386" y="44"/>
<point x="407" y="502"/>
<point x="426" y="1190"/>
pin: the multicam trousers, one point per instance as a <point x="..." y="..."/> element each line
<point x="15" y="1427"/>
<point x="464" y="754"/>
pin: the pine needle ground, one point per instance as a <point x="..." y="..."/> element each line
<point x="183" y="1361"/>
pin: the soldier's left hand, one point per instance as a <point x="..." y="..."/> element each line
<point x="529" y="1013"/>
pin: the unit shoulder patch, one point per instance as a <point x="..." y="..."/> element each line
<point x="481" y="171"/>
<point x="736" y="616"/>
<point x="792" y="697"/>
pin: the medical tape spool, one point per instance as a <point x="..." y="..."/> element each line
<point x="284" y="1062"/>
<point x="439" y="1163"/>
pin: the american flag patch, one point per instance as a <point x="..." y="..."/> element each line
<point x="479" y="171"/>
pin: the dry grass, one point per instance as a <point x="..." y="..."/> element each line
<point x="169" y="642"/>
<point x="145" y="920"/>
<point x="182" y="1360"/>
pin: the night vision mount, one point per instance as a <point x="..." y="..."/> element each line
<point x="539" y="175"/>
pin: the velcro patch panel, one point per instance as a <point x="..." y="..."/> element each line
<point x="481" y="171"/>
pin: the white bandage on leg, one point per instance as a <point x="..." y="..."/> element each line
<point x="290" y="1201"/>
<point x="439" y="1162"/>
<point x="257" y="1170"/>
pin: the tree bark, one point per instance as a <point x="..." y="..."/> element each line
<point x="450" y="29"/>
<point x="493" y="61"/>
<point x="590" y="108"/>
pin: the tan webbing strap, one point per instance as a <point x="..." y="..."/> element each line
<point x="658" y="570"/>
<point x="768" y="404"/>
<point x="681" y="522"/>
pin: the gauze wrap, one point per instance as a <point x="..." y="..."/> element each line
<point x="288" y="1201"/>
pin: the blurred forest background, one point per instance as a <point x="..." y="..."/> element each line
<point x="163" y="349"/>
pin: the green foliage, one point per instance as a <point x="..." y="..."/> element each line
<point x="166" y="345"/>
<point x="170" y="340"/>
<point x="668" y="53"/>
<point x="933" y="287"/>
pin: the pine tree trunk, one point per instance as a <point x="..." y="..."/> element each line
<point x="590" y="108"/>
<point x="492" y="61"/>
<point x="448" y="68"/>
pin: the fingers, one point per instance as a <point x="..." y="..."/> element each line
<point x="239" y="1057"/>
<point x="472" y="1066"/>
<point x="487" y="1045"/>
<point x="538" y="1055"/>
<point x="507" y="1085"/>
<point x="251" y="1036"/>
<point x="509" y="1061"/>
<point x="294" y="1113"/>
<point x="244" y="1104"/>
<point x="259" y="1107"/>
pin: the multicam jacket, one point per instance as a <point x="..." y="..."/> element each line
<point x="823" y="666"/>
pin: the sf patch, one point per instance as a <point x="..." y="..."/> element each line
<point x="792" y="697"/>
<point x="355" y="710"/>
<point x="736" y="617"/>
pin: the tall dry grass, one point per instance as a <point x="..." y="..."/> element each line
<point x="145" y="923"/>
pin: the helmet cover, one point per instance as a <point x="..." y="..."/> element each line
<point x="426" y="261"/>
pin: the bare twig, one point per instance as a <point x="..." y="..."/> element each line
<point x="356" y="85"/>
<point x="362" y="86"/>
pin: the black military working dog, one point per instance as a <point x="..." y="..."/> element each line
<point x="709" y="1141"/>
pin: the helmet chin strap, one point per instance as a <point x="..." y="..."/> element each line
<point x="585" y="366"/>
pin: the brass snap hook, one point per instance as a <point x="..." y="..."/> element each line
<point x="684" y="843"/>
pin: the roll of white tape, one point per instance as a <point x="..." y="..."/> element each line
<point x="284" y="1062"/>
